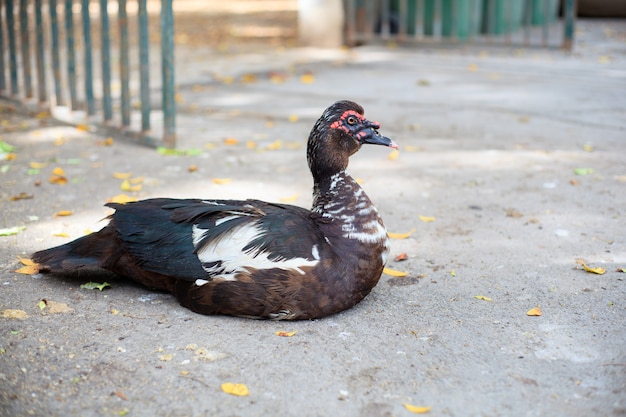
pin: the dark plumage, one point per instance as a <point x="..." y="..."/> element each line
<point x="252" y="258"/>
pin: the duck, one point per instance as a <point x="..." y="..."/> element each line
<point x="251" y="258"/>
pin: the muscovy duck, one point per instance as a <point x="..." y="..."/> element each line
<point x="252" y="258"/>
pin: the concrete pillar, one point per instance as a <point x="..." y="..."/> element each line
<point x="320" y="23"/>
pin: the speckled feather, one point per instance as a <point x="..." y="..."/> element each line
<point x="248" y="257"/>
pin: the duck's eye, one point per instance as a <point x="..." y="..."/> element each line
<point x="351" y="120"/>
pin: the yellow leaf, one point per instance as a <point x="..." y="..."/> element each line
<point x="393" y="155"/>
<point x="58" y="176"/>
<point x="82" y="127"/>
<point x="221" y="181"/>
<point x="121" y="199"/>
<point x="394" y="273"/>
<point x="417" y="409"/>
<point x="400" y="235"/>
<point x="28" y="269"/>
<point x="240" y="390"/>
<point x="289" y="199"/>
<point x="250" y="144"/>
<point x="307" y="78"/>
<point x="126" y="186"/>
<point x="61" y="234"/>
<point x="26" y="261"/>
<point x="285" y="334"/>
<point x="14" y="314"/>
<point x="37" y="165"/>
<point x="293" y="118"/>
<point x="534" y="311"/>
<point x="587" y="148"/>
<point x="10" y="157"/>
<point x="59" y="141"/>
<point x="597" y="270"/>
<point x="274" y="146"/>
<point x="178" y="98"/>
<point x="122" y="175"/>
<point x="192" y="168"/>
<point x="453" y="273"/>
<point x="63" y="213"/>
<point x="167" y="357"/>
<point x="231" y="141"/>
<point x="248" y="78"/>
<point x="426" y="219"/>
<point x="472" y="67"/>
<point x="136" y="180"/>
<point x="482" y="297"/>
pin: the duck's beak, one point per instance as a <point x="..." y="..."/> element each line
<point x="371" y="136"/>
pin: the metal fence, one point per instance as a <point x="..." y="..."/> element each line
<point x="70" y="81"/>
<point x="544" y="23"/>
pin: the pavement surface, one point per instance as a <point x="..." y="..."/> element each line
<point x="511" y="174"/>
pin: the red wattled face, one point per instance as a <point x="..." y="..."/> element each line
<point x="354" y="124"/>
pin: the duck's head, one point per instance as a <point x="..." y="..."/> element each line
<point x="339" y="133"/>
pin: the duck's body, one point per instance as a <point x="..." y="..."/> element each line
<point x="252" y="258"/>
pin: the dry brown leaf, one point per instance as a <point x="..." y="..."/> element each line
<point x="14" y="314"/>
<point x="21" y="196"/>
<point x="58" y="308"/>
<point x="401" y="257"/>
<point x="192" y="168"/>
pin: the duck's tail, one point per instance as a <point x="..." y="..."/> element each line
<point x="87" y="252"/>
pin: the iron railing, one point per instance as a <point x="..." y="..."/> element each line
<point x="64" y="58"/>
<point x="505" y="22"/>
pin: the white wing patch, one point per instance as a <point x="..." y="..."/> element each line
<point x="226" y="256"/>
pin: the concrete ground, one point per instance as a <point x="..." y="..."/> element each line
<point x="518" y="155"/>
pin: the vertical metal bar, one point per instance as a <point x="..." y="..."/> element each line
<point x="3" y="85"/>
<point x="167" y="67"/>
<point x="122" y="18"/>
<point x="545" y="23"/>
<point x="528" y="10"/>
<point x="71" y="53"/>
<point x="25" y="43"/>
<point x="41" y="61"/>
<point x="89" y="99"/>
<point x="350" y="22"/>
<point x="384" y="19"/>
<point x="56" y="63"/>
<point x="402" y="19"/>
<point x="105" y="53"/>
<point x="144" y="66"/>
<point x="569" y="17"/>
<point x="10" y="12"/>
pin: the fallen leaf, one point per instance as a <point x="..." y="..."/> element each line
<point x="82" y="127"/>
<point x="61" y="234"/>
<point x="136" y="180"/>
<point x="417" y="409"/>
<point x="167" y="357"/>
<point x="221" y="181"/>
<point x="10" y="231"/>
<point x="307" y="78"/>
<point x="394" y="273"/>
<point x="192" y="168"/>
<point x="58" y="308"/>
<point x="401" y="257"/>
<point x="274" y="146"/>
<point x="5" y="147"/>
<point x="106" y="142"/>
<point x="28" y="270"/>
<point x="121" y="199"/>
<point x="293" y="118"/>
<point x="37" y="165"/>
<point x="14" y="314"/>
<point x="231" y="141"/>
<point x="453" y="273"/>
<point x="393" y="155"/>
<point x="240" y="390"/>
<point x="534" y="311"/>
<point x="250" y="144"/>
<point x="21" y="196"/>
<point x="587" y="148"/>
<point x="10" y="156"/>
<point x="622" y="270"/>
<point x="472" y="67"/>
<point x="511" y="212"/>
<point x="58" y="176"/>
<point x="583" y="171"/>
<point x="285" y="334"/>
<point x="63" y="213"/>
<point x="597" y="270"/>
<point x="289" y="199"/>
<point x="122" y="175"/>
<point x="121" y="395"/>
<point x="42" y="304"/>
<point x="426" y="219"/>
<point x="94" y="285"/>
<point x="248" y="78"/>
<point x="400" y="235"/>
<point x="482" y="297"/>
<point x="127" y="186"/>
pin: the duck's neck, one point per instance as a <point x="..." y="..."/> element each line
<point x="342" y="204"/>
